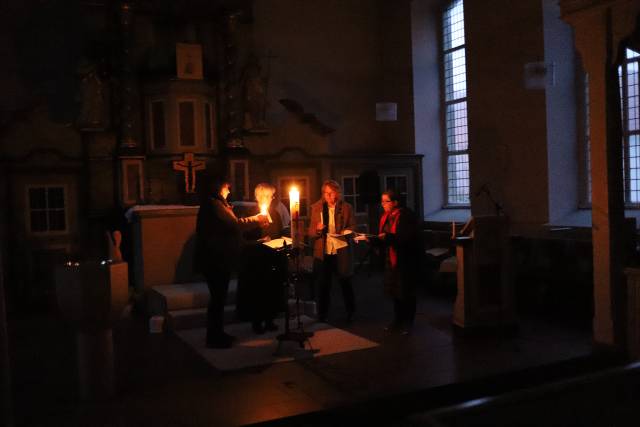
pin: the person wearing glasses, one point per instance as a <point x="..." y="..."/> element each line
<point x="400" y="240"/>
<point x="331" y="223"/>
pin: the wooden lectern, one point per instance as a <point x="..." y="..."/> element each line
<point x="485" y="290"/>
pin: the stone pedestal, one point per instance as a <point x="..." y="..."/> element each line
<point x="92" y="295"/>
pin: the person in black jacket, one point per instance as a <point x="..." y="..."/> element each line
<point x="401" y="242"/>
<point x="218" y="243"/>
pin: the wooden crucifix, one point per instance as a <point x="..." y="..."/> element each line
<point x="189" y="167"/>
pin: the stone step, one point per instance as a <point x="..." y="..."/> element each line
<point x="182" y="296"/>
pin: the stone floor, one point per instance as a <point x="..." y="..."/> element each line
<point x="163" y="382"/>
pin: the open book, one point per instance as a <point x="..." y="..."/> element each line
<point x="278" y="243"/>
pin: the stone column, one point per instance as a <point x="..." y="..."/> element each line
<point x="599" y="27"/>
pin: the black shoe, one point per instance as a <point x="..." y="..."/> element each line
<point x="257" y="327"/>
<point x="391" y="326"/>
<point x="406" y="330"/>
<point x="223" y="341"/>
<point x="270" y="326"/>
<point x="228" y="337"/>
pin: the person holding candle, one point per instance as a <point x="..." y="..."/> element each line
<point x="331" y="218"/>
<point x="218" y="243"/>
<point x="399" y="238"/>
<point x="263" y="270"/>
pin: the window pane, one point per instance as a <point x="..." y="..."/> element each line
<point x="56" y="220"/>
<point x="158" y="125"/>
<point x="239" y="188"/>
<point x="207" y="125"/>
<point x="359" y="205"/>
<point x="38" y="221"/>
<point x="453" y="27"/>
<point x="458" y="178"/>
<point x="632" y="54"/>
<point x="401" y="184"/>
<point x="455" y="75"/>
<point x="37" y="198"/>
<point x="187" y="134"/>
<point x="348" y="186"/>
<point x="55" y="198"/>
<point x="390" y="183"/>
<point x="133" y="182"/>
<point x="350" y="199"/>
<point x="632" y="97"/>
<point x="457" y="133"/>
<point x="634" y="169"/>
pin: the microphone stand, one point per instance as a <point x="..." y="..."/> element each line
<point x="498" y="207"/>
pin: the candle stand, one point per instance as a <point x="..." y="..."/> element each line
<point x="296" y="334"/>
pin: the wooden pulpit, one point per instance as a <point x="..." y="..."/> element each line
<point x="485" y="289"/>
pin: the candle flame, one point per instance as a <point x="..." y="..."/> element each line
<point x="294" y="194"/>
<point x="264" y="209"/>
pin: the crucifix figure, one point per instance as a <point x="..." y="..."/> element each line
<point x="189" y="167"/>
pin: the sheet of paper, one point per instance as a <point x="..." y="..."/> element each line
<point x="343" y="234"/>
<point x="338" y="242"/>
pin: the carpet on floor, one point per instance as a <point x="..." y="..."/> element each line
<point x="251" y="349"/>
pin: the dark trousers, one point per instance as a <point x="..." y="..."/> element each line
<point x="404" y="310"/>
<point x="327" y="269"/>
<point x="218" y="284"/>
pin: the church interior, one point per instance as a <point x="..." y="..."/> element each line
<point x="510" y="129"/>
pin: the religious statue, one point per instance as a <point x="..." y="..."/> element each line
<point x="255" y="95"/>
<point x="94" y="98"/>
<point x="189" y="166"/>
<point x="113" y="242"/>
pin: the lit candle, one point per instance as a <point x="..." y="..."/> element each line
<point x="294" y="208"/>
<point x="264" y="209"/>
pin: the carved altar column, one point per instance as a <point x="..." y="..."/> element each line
<point x="231" y="91"/>
<point x="130" y="158"/>
<point x="128" y="86"/>
<point x="599" y="26"/>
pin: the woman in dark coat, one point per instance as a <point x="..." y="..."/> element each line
<point x="218" y="243"/>
<point x="400" y="238"/>
<point x="263" y="271"/>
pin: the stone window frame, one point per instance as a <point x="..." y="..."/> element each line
<point x="65" y="209"/>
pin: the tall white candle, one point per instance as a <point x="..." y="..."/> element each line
<point x="294" y="208"/>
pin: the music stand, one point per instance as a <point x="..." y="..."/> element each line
<point x="298" y="334"/>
